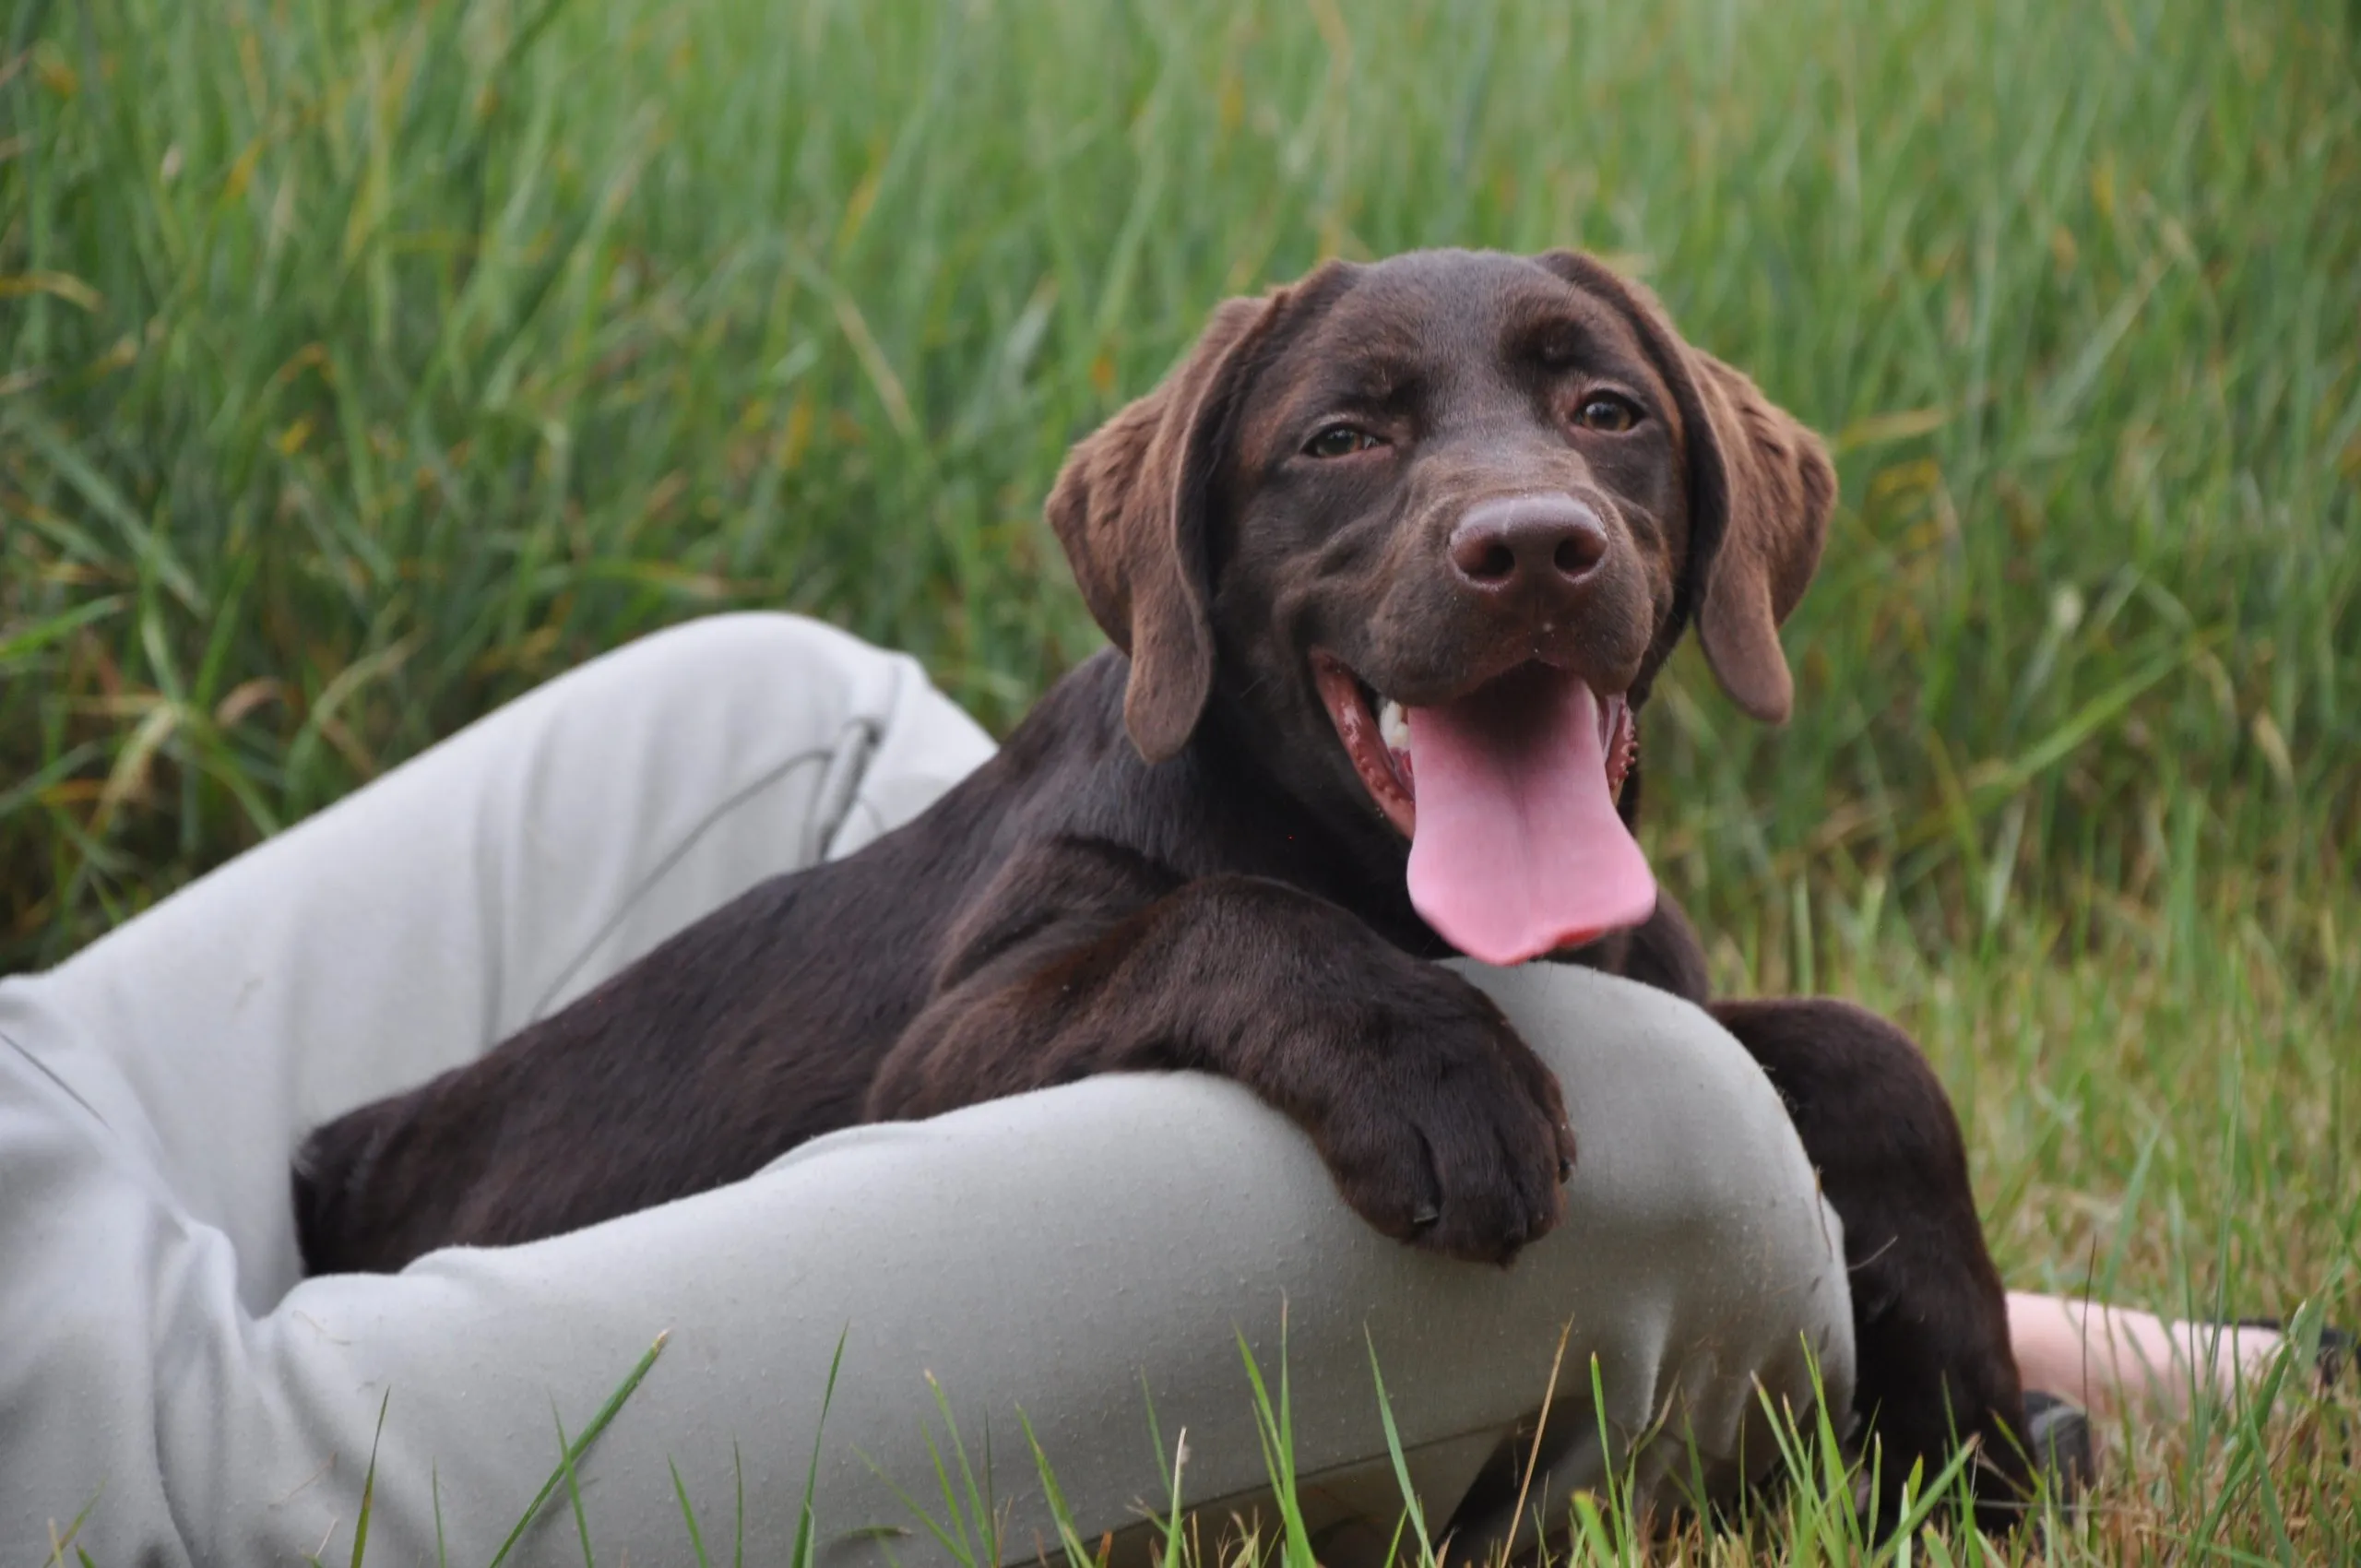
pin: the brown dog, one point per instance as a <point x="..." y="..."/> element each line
<point x="1390" y="563"/>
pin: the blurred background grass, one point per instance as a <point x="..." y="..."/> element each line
<point x="366" y="364"/>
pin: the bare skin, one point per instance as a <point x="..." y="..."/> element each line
<point x="2121" y="1361"/>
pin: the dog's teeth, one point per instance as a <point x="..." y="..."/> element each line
<point x="1394" y="725"/>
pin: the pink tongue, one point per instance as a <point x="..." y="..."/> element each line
<point x="1518" y="850"/>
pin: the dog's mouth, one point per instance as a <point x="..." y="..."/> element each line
<point x="1507" y="794"/>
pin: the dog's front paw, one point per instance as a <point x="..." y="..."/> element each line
<point x="1444" y="1130"/>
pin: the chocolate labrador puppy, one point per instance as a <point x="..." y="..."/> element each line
<point x="1389" y="563"/>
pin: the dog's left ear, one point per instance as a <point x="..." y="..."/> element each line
<point x="1760" y="489"/>
<point x="1129" y="507"/>
<point x="1778" y="489"/>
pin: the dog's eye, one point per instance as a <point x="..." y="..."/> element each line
<point x="1606" y="411"/>
<point x="1340" y="440"/>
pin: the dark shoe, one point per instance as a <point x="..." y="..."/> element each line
<point x="2336" y="1351"/>
<point x="2058" y="1436"/>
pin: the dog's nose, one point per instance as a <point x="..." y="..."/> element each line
<point x="1534" y="543"/>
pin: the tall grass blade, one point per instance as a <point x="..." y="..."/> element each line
<point x="569" y="1453"/>
<point x="369" y="1484"/>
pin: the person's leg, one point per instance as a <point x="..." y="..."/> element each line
<point x="2119" y="1360"/>
<point x="153" y="1087"/>
<point x="998" y="1248"/>
<point x="432" y="914"/>
<point x="1065" y="1257"/>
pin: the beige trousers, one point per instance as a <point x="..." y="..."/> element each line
<point x="1066" y="1258"/>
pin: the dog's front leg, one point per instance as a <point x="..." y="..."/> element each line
<point x="1440" y="1126"/>
<point x="1931" y="1319"/>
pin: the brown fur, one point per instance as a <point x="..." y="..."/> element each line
<point x="1172" y="863"/>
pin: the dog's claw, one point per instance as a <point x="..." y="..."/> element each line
<point x="1424" y="1217"/>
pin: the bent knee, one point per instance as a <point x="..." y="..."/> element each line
<point x="788" y="685"/>
<point x="1669" y="1060"/>
<point x="760" y="658"/>
<point x="1677" y="1129"/>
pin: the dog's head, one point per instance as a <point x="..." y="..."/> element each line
<point x="1420" y="534"/>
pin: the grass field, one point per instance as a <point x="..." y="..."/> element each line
<point x="366" y="364"/>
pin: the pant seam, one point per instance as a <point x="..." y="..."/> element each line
<point x="46" y="1071"/>
<point x="848" y="763"/>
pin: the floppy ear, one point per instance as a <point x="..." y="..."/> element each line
<point x="1760" y="492"/>
<point x="1778" y="489"/>
<point x="1130" y="508"/>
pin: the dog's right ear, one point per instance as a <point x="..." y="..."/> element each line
<point x="1129" y="507"/>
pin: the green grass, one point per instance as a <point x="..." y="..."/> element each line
<point x="1804" y="1514"/>
<point x="366" y="364"/>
